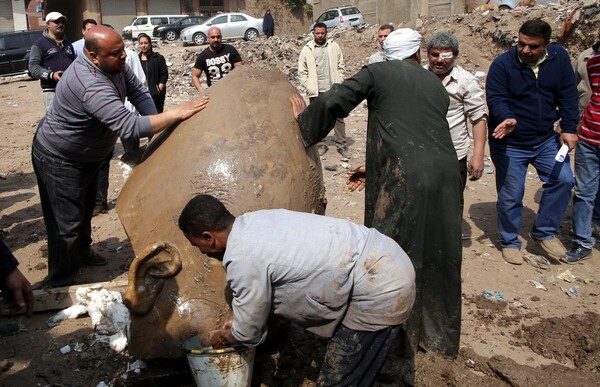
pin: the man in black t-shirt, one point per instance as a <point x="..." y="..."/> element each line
<point x="216" y="61"/>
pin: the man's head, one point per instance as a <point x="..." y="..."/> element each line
<point x="383" y="33"/>
<point x="206" y="222"/>
<point x="442" y="50"/>
<point x="56" y="24"/>
<point x="320" y="34"/>
<point x="403" y="43"/>
<point x="534" y="36"/>
<point x="214" y="39"/>
<point x="105" y="49"/>
<point x="86" y="24"/>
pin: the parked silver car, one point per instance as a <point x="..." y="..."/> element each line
<point x="346" y="16"/>
<point x="235" y="25"/>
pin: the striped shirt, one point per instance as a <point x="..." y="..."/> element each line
<point x="87" y="114"/>
<point x="590" y="125"/>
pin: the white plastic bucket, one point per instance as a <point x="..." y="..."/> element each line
<point x="227" y="367"/>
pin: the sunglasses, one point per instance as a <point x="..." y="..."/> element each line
<point x="59" y="21"/>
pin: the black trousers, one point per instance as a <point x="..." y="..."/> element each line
<point x="67" y="194"/>
<point x="354" y="358"/>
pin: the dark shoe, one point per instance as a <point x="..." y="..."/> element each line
<point x="100" y="209"/>
<point x="94" y="259"/>
<point x="344" y="152"/>
<point x="322" y="149"/>
<point x="576" y="254"/>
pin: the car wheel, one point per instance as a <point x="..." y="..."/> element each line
<point x="251" y="34"/>
<point x="170" y="35"/>
<point x="504" y="7"/>
<point x="199" y="38"/>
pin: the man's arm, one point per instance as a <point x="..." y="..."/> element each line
<point x="196" y="74"/>
<point x="476" y="164"/>
<point x="162" y="121"/>
<point x="35" y="67"/>
<point x="567" y="98"/>
<point x="498" y="93"/>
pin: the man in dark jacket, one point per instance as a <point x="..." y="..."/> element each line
<point x="529" y="88"/>
<point x="50" y="55"/>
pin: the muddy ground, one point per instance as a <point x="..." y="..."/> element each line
<point x="519" y="335"/>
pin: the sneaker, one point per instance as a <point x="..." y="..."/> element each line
<point x="512" y="255"/>
<point x="94" y="259"/>
<point x="322" y="149"/>
<point x="576" y="254"/>
<point x="100" y="209"/>
<point x="344" y="152"/>
<point x="553" y="248"/>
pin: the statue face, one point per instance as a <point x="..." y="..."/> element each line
<point x="253" y="159"/>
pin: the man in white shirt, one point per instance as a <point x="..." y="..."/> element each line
<point x="467" y="103"/>
<point x="333" y="277"/>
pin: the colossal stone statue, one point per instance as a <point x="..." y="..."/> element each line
<point x="245" y="149"/>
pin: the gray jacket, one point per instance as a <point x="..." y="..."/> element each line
<point x="316" y="271"/>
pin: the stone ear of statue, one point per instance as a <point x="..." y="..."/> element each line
<point x="148" y="273"/>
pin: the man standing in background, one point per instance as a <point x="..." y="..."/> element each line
<point x="216" y="61"/>
<point x="85" y="26"/>
<point x="50" y="56"/>
<point x="382" y="34"/>
<point x="320" y="65"/>
<point x="466" y="103"/>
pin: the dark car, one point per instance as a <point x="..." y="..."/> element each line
<point x="14" y="50"/>
<point x="171" y="31"/>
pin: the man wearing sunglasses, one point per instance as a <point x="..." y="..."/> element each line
<point x="50" y="56"/>
<point x="529" y="89"/>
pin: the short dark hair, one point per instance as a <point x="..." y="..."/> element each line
<point x="386" y="27"/>
<point x="536" y="28"/>
<point x="204" y="213"/>
<point x="85" y="22"/>
<point x="320" y="25"/>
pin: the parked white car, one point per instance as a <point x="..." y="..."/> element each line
<point x="235" y="25"/>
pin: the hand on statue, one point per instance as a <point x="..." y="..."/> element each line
<point x="356" y="179"/>
<point x="188" y="109"/>
<point x="298" y="105"/>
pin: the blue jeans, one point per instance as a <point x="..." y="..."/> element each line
<point x="511" y="169"/>
<point x="587" y="177"/>
<point x="67" y="194"/>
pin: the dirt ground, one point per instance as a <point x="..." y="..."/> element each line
<point x="513" y="333"/>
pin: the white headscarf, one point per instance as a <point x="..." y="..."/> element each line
<point x="401" y="44"/>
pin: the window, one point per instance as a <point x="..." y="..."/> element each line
<point x="13" y="41"/>
<point x="350" y="11"/>
<point x="141" y="21"/>
<point x="158" y="21"/>
<point x="219" y="20"/>
<point x="2" y="44"/>
<point x="237" y="18"/>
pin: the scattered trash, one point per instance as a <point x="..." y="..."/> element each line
<point x="537" y="261"/>
<point x="585" y="280"/>
<point x="110" y="317"/>
<point x="66" y="349"/>
<point x="538" y="285"/>
<point x="346" y="165"/>
<point x="470" y="363"/>
<point x="331" y="168"/>
<point x="567" y="276"/>
<point x="519" y="304"/>
<point x="570" y="291"/>
<point x="102" y="384"/>
<point x="488" y="170"/>
<point x="77" y="347"/>
<point x="495" y="295"/>
<point x="119" y="249"/>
